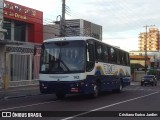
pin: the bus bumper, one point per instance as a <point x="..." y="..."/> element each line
<point x="76" y="87"/>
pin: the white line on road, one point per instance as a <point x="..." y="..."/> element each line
<point x="109" y="106"/>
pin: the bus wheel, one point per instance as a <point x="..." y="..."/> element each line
<point x="60" y="95"/>
<point x="95" y="91"/>
<point x="119" y="89"/>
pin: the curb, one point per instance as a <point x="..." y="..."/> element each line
<point x="20" y="96"/>
<point x="135" y="83"/>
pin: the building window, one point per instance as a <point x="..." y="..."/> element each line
<point x="19" y="32"/>
<point x="7" y="26"/>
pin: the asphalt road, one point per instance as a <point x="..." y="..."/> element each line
<point x="133" y="101"/>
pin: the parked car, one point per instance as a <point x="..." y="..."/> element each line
<point x="149" y="80"/>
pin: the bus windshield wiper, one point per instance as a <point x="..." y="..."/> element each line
<point x="62" y="61"/>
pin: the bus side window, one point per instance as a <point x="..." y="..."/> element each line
<point x="99" y="53"/>
<point x="121" y="57"/>
<point x="113" y="55"/>
<point x="118" y="57"/>
<point x="105" y="54"/>
<point x="90" y="57"/>
<point x="124" y="58"/>
<point x="128" y="60"/>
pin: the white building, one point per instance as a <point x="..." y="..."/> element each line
<point x="154" y="56"/>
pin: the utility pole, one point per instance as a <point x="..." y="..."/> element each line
<point x="63" y="23"/>
<point x="146" y="46"/>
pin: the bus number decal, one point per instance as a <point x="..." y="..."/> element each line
<point x="76" y="77"/>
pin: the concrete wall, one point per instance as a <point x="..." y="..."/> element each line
<point x="50" y="31"/>
<point x="1" y="64"/>
<point x="138" y="75"/>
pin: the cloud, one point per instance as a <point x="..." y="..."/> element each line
<point x="121" y="19"/>
<point x="121" y="15"/>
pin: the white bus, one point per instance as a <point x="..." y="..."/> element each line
<point x="82" y="65"/>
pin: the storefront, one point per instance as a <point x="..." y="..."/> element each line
<point x="22" y="23"/>
<point x="19" y="65"/>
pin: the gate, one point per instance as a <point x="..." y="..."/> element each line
<point x="22" y="65"/>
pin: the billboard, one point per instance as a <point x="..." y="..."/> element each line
<point x="22" y="13"/>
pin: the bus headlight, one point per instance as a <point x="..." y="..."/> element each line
<point x="82" y="83"/>
<point x="42" y="84"/>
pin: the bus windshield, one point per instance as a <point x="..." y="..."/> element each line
<point x="63" y="57"/>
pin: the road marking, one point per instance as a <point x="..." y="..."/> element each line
<point x="109" y="106"/>
<point x="27" y="105"/>
<point x="141" y="89"/>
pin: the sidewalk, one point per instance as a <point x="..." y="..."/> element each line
<point x="135" y="83"/>
<point x="22" y="91"/>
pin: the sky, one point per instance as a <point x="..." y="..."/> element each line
<point x="121" y="20"/>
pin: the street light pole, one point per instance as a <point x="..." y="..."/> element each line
<point x="63" y="25"/>
<point x="146" y="46"/>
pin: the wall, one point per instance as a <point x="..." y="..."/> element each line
<point x="1" y="64"/>
<point x="138" y="75"/>
<point x="50" y="31"/>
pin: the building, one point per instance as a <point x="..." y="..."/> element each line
<point x="152" y="41"/>
<point x="153" y="55"/>
<point x="136" y="59"/>
<point x="142" y="53"/>
<point x="51" y="31"/>
<point x="75" y="27"/>
<point x="20" y="48"/>
<point x="22" y="23"/>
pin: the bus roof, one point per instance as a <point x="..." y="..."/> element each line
<point x="69" y="38"/>
<point x="73" y="38"/>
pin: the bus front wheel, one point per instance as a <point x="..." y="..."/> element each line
<point x="119" y="89"/>
<point x="95" y="91"/>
